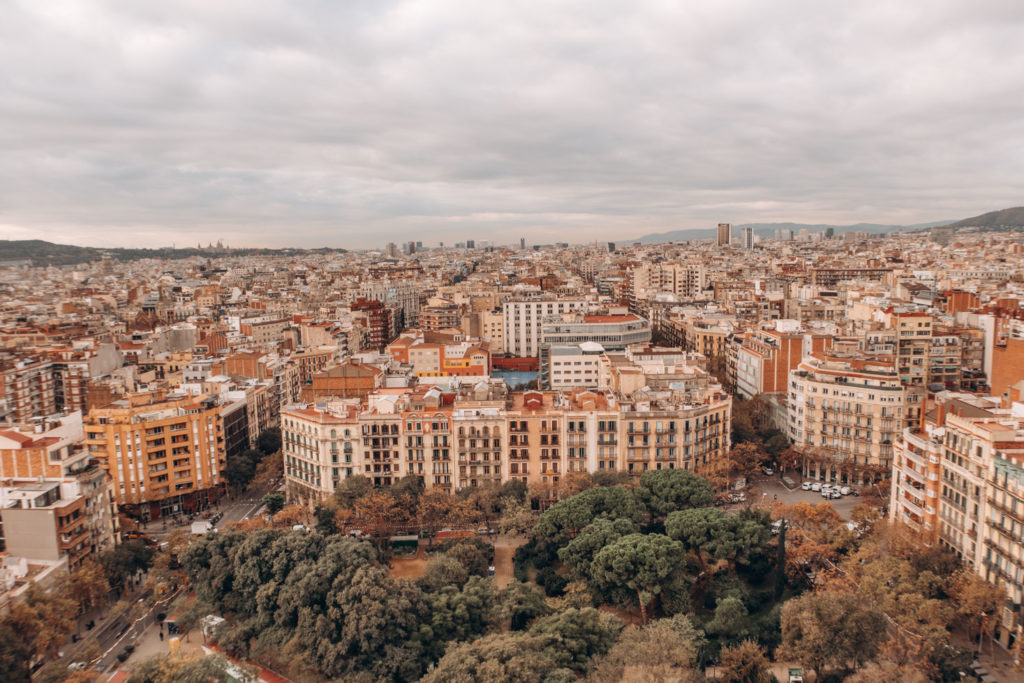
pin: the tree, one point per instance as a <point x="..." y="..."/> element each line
<point x="269" y="441"/>
<point x="511" y="657"/>
<point x="42" y="619"/>
<point x="378" y="514"/>
<point x="977" y="601"/>
<point x="123" y="561"/>
<point x="730" y="621"/>
<point x="564" y="519"/>
<point x="521" y="603"/>
<point x="351" y="490"/>
<point x="746" y="663"/>
<point x="240" y="469"/>
<point x="645" y="564"/>
<point x="748" y="457"/>
<point x="574" y="636"/>
<point x="184" y="667"/>
<point x="88" y="586"/>
<point x="443" y="570"/>
<point x="664" y="650"/>
<point x="831" y="629"/>
<point x="274" y="502"/>
<point x="325" y="521"/>
<point x="517" y="517"/>
<point x="579" y="552"/>
<point x="887" y="671"/>
<point x="463" y="614"/>
<point x="713" y="534"/>
<point x="15" y="654"/>
<point x="434" y="510"/>
<point x="665" y="491"/>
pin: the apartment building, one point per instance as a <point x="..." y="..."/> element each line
<point x="43" y="447"/>
<point x="684" y="279"/>
<point x="574" y="366"/>
<point x="845" y="412"/>
<point x="765" y="357"/>
<point x="433" y="354"/>
<point x="67" y="518"/>
<point x="959" y="480"/>
<point x="523" y="320"/>
<point x="473" y="435"/>
<point x="613" y="331"/>
<point x="165" y="453"/>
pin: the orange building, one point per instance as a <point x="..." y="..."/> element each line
<point x="435" y="359"/>
<point x="165" y="455"/>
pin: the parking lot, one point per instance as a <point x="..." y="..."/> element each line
<point x="771" y="488"/>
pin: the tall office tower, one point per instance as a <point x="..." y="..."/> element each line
<point x="522" y="243"/>
<point x="778" y="233"/>
<point x="611" y="246"/>
<point x="830" y="233"/>
<point x="724" y="234"/>
<point x="470" y="244"/>
<point x="391" y="250"/>
<point x="411" y="248"/>
<point x="748" y="238"/>
<point x="419" y="245"/>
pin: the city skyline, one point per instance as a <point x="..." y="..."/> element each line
<point x="354" y="126"/>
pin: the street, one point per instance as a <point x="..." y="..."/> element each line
<point x="235" y="509"/>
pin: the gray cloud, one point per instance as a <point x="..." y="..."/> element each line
<point x="353" y="123"/>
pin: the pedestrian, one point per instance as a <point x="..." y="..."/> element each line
<point x="161" y="635"/>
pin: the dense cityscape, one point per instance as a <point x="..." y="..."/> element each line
<point x="511" y="342"/>
<point x="484" y="461"/>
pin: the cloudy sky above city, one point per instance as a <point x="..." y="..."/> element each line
<point x="350" y="124"/>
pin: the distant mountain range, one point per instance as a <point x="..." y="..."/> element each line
<point x="1007" y="219"/>
<point x="42" y="253"/>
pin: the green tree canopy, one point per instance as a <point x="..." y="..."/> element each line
<point x="463" y="614"/>
<point x="664" y="491"/>
<point x="521" y="603"/>
<point x="578" y="553"/>
<point x="713" y="534"/>
<point x="645" y="564"/>
<point x="564" y="519"/>
<point x="507" y="657"/>
<point x="573" y="636"/>
<point x="274" y="502"/>
<point x="352" y="489"/>
<point x="269" y="441"/>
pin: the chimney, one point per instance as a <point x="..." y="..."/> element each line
<point x="940" y="415"/>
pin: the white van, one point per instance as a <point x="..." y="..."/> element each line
<point x="816" y="486"/>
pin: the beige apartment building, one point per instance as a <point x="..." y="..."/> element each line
<point x="480" y="434"/>
<point x="959" y="481"/>
<point x="845" y="412"/>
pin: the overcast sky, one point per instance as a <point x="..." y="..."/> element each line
<point x="350" y="124"/>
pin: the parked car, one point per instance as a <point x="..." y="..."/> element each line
<point x="834" y="494"/>
<point x="806" y="486"/>
<point x="816" y="486"/>
<point x="826" y="493"/>
<point x="845" y="490"/>
<point x="769" y="471"/>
